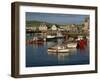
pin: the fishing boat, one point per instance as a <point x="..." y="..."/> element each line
<point x="50" y="37"/>
<point x="59" y="49"/>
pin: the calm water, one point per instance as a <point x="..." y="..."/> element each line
<point x="37" y="55"/>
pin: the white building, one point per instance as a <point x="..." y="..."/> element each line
<point x="54" y="28"/>
<point x="43" y="27"/>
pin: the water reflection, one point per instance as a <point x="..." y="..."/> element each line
<point x="61" y="56"/>
<point x="37" y="55"/>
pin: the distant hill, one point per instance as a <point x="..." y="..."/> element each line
<point x="33" y="23"/>
<point x="38" y="23"/>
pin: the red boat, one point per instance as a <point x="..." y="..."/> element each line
<point x="81" y="44"/>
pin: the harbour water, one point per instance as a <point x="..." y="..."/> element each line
<point x="37" y="55"/>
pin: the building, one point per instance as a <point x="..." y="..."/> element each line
<point x="43" y="27"/>
<point x="67" y="28"/>
<point x="86" y="25"/>
<point x="74" y="28"/>
<point x="54" y="28"/>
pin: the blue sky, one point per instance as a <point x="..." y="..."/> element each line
<point x="56" y="18"/>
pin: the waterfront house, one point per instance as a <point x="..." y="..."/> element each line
<point x="43" y="27"/>
<point x="54" y="28"/>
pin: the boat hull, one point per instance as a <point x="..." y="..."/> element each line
<point x="59" y="51"/>
<point x="72" y="45"/>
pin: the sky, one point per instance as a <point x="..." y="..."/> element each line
<point x="55" y="18"/>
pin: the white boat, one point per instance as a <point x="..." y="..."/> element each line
<point x="72" y="45"/>
<point x="59" y="49"/>
<point x="50" y="36"/>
